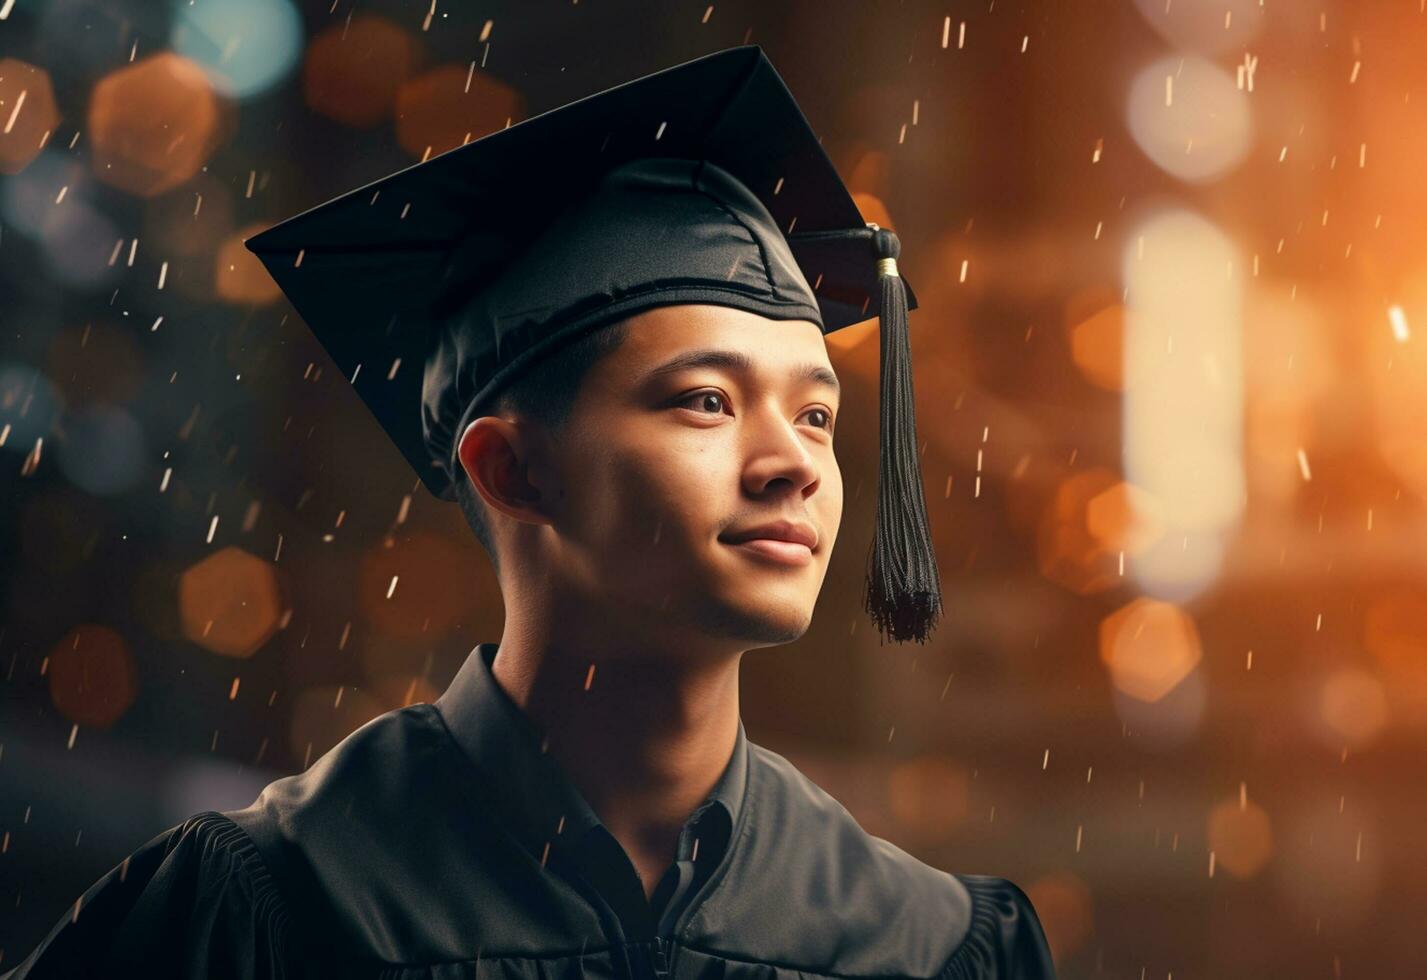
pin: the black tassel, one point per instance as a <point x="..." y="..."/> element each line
<point x="903" y="583"/>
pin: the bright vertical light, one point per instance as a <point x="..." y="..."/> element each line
<point x="1183" y="402"/>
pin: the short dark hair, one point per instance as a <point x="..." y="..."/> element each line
<point x="545" y="394"/>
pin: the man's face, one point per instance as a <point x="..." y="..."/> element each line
<point x="661" y="466"/>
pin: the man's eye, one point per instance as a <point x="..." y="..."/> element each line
<point x="826" y="415"/>
<point x="701" y="398"/>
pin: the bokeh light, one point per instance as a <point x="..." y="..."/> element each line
<point x="29" y="198"/>
<point x="246" y="46"/>
<point x="230" y="602"/>
<point x="27" y="113"/>
<point x="1149" y="647"/>
<point x="418" y="587"/>
<point x="1241" y="836"/>
<point x="1124" y="518"/>
<point x="1170" y="724"/>
<point x="52" y="200"/>
<point x="29" y="405"/>
<point x="92" y="676"/>
<point x="239" y="276"/>
<point x="83" y="37"/>
<point x="1183" y="348"/>
<point x="1068" y="552"/>
<point x="102" y="449"/>
<point x="1097" y="346"/>
<point x="78" y="240"/>
<point x="153" y="124"/>
<point x="1353" y="707"/>
<point x="449" y="106"/>
<point x="352" y="70"/>
<point x="1188" y="116"/>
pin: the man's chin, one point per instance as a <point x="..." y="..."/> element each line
<point x="759" y="620"/>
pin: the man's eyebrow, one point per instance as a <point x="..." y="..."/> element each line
<point x="733" y="360"/>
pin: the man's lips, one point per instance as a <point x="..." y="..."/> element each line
<point x="772" y="549"/>
<point x="796" y="532"/>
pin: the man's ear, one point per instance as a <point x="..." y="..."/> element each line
<point x="498" y="456"/>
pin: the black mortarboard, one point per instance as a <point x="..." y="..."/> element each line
<point x="434" y="287"/>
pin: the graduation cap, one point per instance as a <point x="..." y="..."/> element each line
<point x="434" y="287"/>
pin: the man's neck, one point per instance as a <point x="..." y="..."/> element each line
<point x="643" y="737"/>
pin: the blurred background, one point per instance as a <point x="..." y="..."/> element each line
<point x="1170" y="374"/>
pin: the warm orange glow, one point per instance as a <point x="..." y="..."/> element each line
<point x="1395" y="633"/>
<point x="1124" y="518"/>
<point x="230" y="603"/>
<point x="27" y="113"/>
<point x="1063" y="904"/>
<point x="434" y="579"/>
<point x="1353" y="705"/>
<point x="929" y="795"/>
<point x="1069" y="554"/>
<point x="1097" y="347"/>
<point x="153" y="124"/>
<point x="353" y="69"/>
<point x="869" y="175"/>
<point x="92" y="676"/>
<point x="1149" y="647"/>
<point x="451" y="105"/>
<point x="1240" y="836"/>
<point x="873" y="209"/>
<point x="239" y="275"/>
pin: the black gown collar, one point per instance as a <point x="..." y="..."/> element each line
<point x="531" y="787"/>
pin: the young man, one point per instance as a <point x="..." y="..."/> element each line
<point x="626" y="386"/>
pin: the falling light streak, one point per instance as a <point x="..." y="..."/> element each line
<point x="1398" y="319"/>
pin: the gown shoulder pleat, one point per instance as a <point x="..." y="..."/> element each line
<point x="195" y="901"/>
<point x="1005" y="940"/>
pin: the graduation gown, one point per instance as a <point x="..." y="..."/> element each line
<point x="441" y="841"/>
